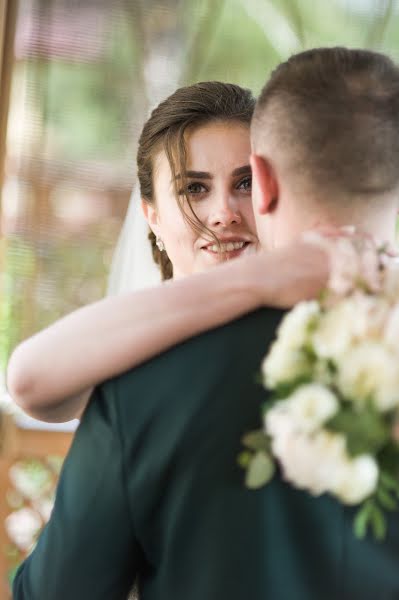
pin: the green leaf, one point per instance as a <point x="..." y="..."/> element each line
<point x="260" y="470"/>
<point x="386" y="500"/>
<point x="362" y="519"/>
<point x="256" y="440"/>
<point x="378" y="523"/>
<point x="283" y="390"/>
<point x="389" y="482"/>
<point x="388" y="459"/>
<point x="244" y="458"/>
<point x="365" y="431"/>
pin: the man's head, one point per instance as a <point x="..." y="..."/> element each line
<point x="325" y="142"/>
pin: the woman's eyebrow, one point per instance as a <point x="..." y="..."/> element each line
<point x="205" y="175"/>
<point x="196" y="175"/>
<point x="242" y="170"/>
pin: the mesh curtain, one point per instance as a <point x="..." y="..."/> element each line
<point x="85" y="75"/>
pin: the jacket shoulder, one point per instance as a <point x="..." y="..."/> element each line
<point x="197" y="362"/>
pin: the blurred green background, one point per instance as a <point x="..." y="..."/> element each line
<point x="85" y="76"/>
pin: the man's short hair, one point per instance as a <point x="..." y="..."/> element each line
<point x="332" y="115"/>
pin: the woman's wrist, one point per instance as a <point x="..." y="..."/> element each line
<point x="283" y="277"/>
<point x="257" y="279"/>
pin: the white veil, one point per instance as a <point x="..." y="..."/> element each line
<point x="133" y="267"/>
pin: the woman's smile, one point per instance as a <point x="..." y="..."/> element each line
<point x="228" y="248"/>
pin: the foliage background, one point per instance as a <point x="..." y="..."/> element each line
<point x="85" y="77"/>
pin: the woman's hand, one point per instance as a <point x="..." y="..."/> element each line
<point x="296" y="272"/>
<point x="301" y="270"/>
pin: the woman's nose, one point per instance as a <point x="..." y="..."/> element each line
<point x="225" y="214"/>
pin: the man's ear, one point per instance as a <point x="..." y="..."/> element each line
<point x="264" y="179"/>
<point x="151" y="216"/>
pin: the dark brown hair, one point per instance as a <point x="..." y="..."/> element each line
<point x="189" y="107"/>
<point x="335" y="113"/>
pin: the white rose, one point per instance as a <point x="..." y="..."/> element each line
<point x="311" y="406"/>
<point x="284" y="364"/>
<point x="370" y="371"/>
<point x="333" y="335"/>
<point x="308" y="461"/>
<point x="278" y="420"/>
<point x="295" y="327"/>
<point x="356" y="479"/>
<point x="318" y="462"/>
<point x="369" y="316"/>
<point x="350" y="320"/>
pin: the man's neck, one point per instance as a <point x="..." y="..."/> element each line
<point x="380" y="225"/>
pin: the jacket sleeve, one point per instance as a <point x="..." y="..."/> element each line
<point x="88" y="548"/>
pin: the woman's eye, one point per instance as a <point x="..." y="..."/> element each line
<point x="195" y="188"/>
<point x="246" y="184"/>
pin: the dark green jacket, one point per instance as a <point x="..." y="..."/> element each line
<point x="151" y="490"/>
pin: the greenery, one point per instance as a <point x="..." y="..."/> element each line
<point x="46" y="279"/>
<point x="365" y="431"/>
<point x="371" y="513"/>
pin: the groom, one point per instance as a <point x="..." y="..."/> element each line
<point x="151" y="490"/>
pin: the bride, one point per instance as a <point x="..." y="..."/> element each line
<point x="195" y="188"/>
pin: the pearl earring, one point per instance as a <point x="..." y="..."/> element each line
<point x="160" y="244"/>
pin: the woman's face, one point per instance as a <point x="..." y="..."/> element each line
<point x="219" y="188"/>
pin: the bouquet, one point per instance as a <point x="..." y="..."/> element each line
<point x="332" y="419"/>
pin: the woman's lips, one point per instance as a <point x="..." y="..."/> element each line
<point x="228" y="249"/>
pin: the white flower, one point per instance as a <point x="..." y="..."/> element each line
<point x="369" y="371"/>
<point x="284" y="364"/>
<point x="294" y="329"/>
<point x="319" y="463"/>
<point x="369" y="316"/>
<point x="356" y="479"/>
<point x="278" y="420"/>
<point x="311" y="405"/>
<point x="350" y="320"/>
<point x="333" y="335"/>
<point x="286" y="359"/>
<point x="309" y="461"/>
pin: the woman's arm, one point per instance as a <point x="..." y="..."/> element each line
<point x="51" y="374"/>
